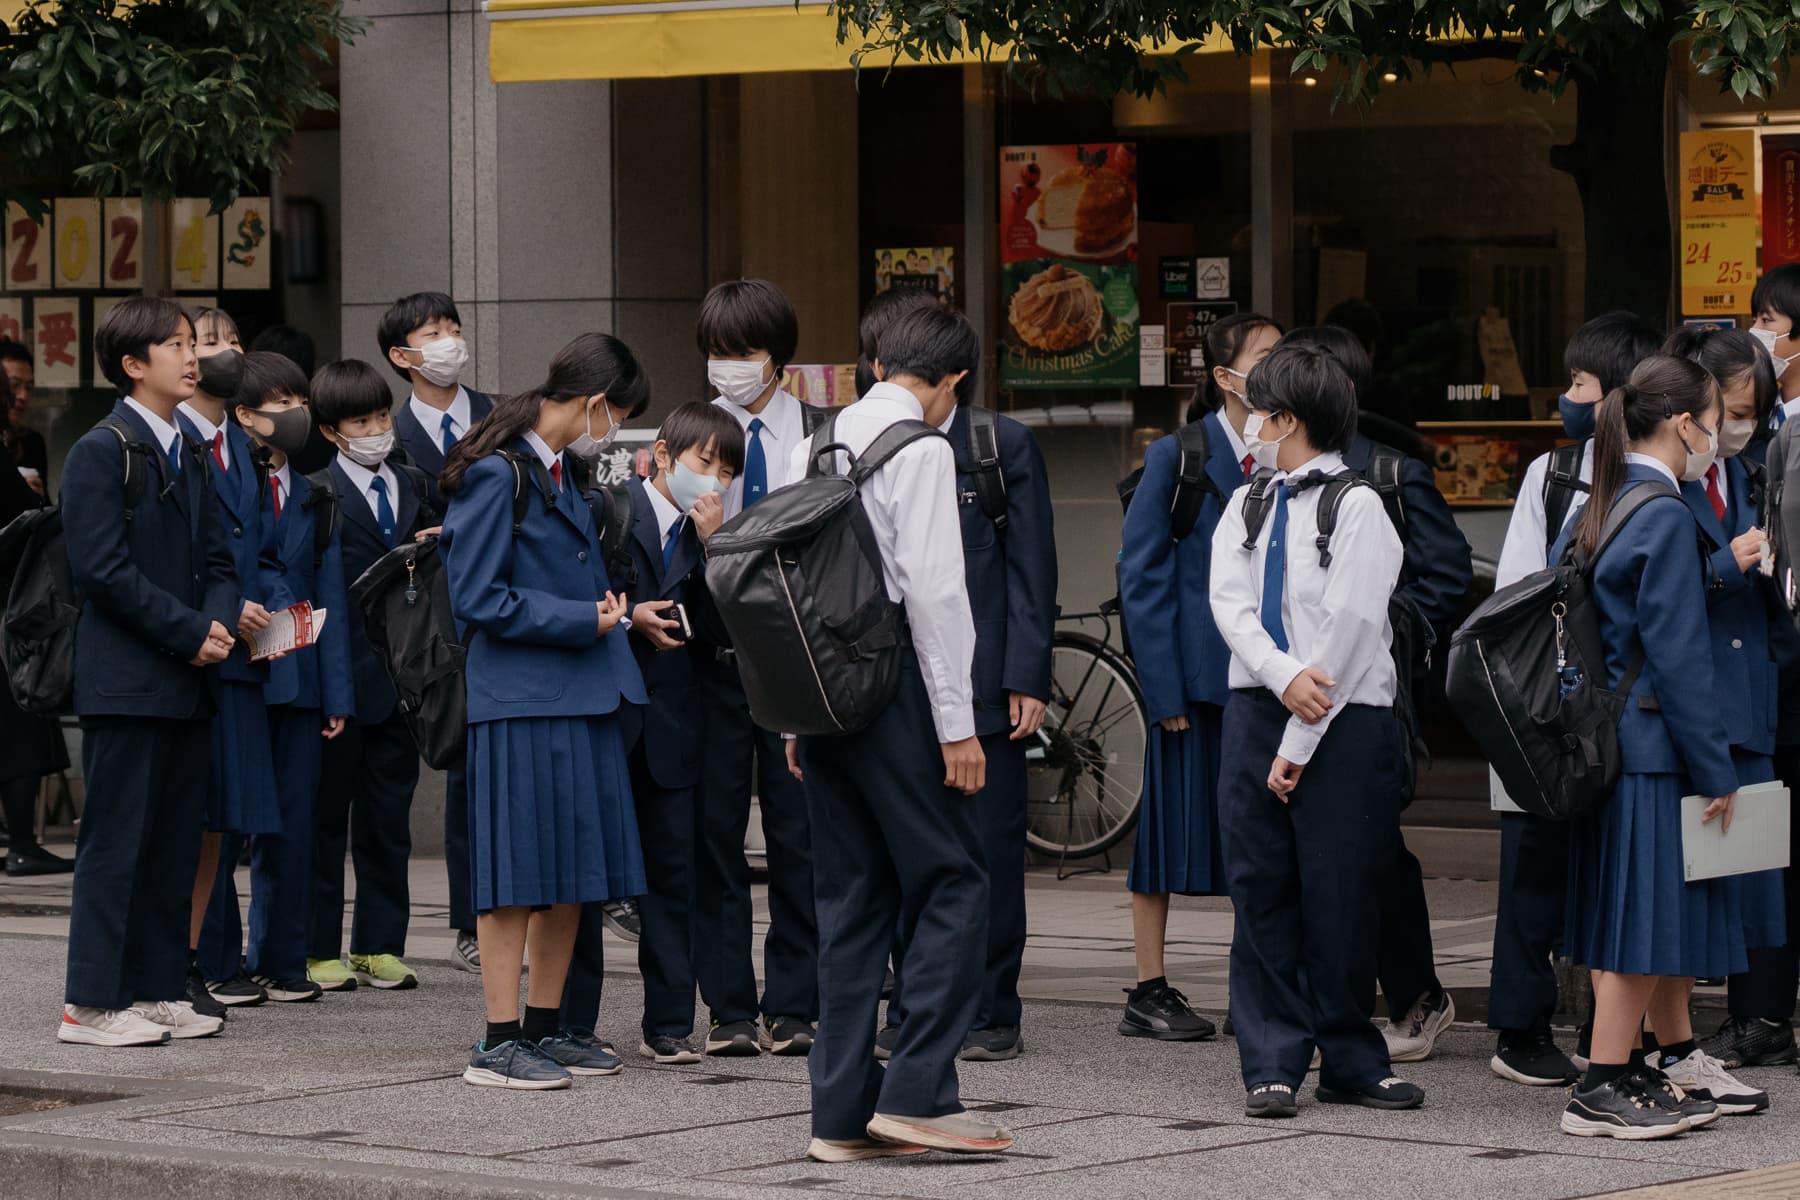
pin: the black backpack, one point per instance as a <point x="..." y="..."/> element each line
<point x="327" y="510"/>
<point x="980" y="457"/>
<point x="1527" y="675"/>
<point x="1562" y="483"/>
<point x="798" y="582"/>
<point x="1413" y="637"/>
<point x="1192" y="486"/>
<point x="37" y="632"/>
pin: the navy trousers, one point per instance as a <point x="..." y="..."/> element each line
<point x="456" y="849"/>
<point x="280" y="865"/>
<point x="135" y="860"/>
<point x="587" y="973"/>
<point x="1405" y="961"/>
<point x="365" y="798"/>
<point x="1307" y="879"/>
<point x="722" y="911"/>
<point x="1534" y="883"/>
<point x="891" y="838"/>
<point x="1768" y="988"/>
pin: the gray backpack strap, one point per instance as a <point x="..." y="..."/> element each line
<point x="984" y="455"/>
<point x="1257" y="502"/>
<point x="889" y="442"/>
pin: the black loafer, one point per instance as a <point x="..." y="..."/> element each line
<point x="1391" y="1092"/>
<point x="1271" y="1100"/>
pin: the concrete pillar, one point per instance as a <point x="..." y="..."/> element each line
<point x="1271" y="189"/>
<point x="979" y="272"/>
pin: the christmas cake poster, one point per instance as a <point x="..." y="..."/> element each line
<point x="1068" y="244"/>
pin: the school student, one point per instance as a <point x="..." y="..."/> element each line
<point x="367" y="773"/>
<point x="551" y="824"/>
<point x="1309" y="784"/>
<point x="889" y="804"/>
<point x="421" y="338"/>
<point x="1434" y="578"/>
<point x="1534" y="851"/>
<point x="748" y="332"/>
<point x="1642" y="931"/>
<point x="1164" y="586"/>
<point x="161" y="601"/>
<point x="1775" y="303"/>
<point x="308" y="695"/>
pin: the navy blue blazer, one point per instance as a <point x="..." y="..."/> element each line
<point x="527" y="601"/>
<point x="239" y="508"/>
<point x="1438" y="568"/>
<point x="360" y="544"/>
<point x="1650" y="588"/>
<point x="1745" y="683"/>
<point x="1011" y="579"/>
<point x="319" y="675"/>
<point x="152" y="584"/>
<point x="422" y="445"/>
<point x="1164" y="585"/>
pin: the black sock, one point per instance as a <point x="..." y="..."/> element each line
<point x="1599" y="1073"/>
<point x="1146" y="986"/>
<point x="1676" y="1051"/>
<point x="18" y="797"/>
<point x="540" y="1023"/>
<point x="500" y="1031"/>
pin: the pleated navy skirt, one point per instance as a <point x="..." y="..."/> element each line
<point x="1629" y="908"/>
<point x="1177" y="846"/>
<point x="241" y="797"/>
<point x="550" y="814"/>
<point x="1762" y="896"/>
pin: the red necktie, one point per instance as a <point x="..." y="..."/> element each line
<point x="1712" y="492"/>
<point x="275" y="494"/>
<point x="1249" y="465"/>
<point x="219" y="449"/>
<point x="556" y="473"/>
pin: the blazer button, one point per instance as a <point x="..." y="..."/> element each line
<point x="236" y="531"/>
<point x="581" y="555"/>
<point x="1737" y="643"/>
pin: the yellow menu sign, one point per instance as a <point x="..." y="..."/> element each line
<point x="1718" y="221"/>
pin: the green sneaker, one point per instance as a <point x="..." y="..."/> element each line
<point x="330" y="974"/>
<point x="384" y="971"/>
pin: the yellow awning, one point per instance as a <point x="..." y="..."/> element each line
<point x="532" y="40"/>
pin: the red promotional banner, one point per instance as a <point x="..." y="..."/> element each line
<point x="1781" y="199"/>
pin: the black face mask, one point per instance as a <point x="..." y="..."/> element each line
<point x="292" y="426"/>
<point x="221" y="373"/>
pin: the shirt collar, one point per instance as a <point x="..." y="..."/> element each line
<point x="541" y="448"/>
<point x="208" y="431"/>
<point x="664" y="508"/>
<point x="164" y="432"/>
<point x="360" y="475"/>
<point x="893" y="393"/>
<point x="433" y="418"/>
<point x="1329" y="463"/>
<point x="1239" y="451"/>
<point x="1656" y="464"/>
<point x="779" y="416"/>
<point x="287" y="480"/>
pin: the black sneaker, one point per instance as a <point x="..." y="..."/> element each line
<point x="736" y="1040"/>
<point x="1530" y="1057"/>
<point x="1752" y="1042"/>
<point x="885" y="1041"/>
<point x="1164" y="1015"/>
<point x="288" y="991"/>
<point x="197" y="995"/>
<point x="991" y="1045"/>
<point x="35" y="860"/>
<point x="668" y="1050"/>
<point x="1698" y="1110"/>
<point x="621" y="916"/>
<point x="1621" y="1108"/>
<point x="788" y="1036"/>
<point x="1392" y="1092"/>
<point x="1271" y="1100"/>
<point x="236" y="991"/>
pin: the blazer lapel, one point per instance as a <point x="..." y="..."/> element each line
<point x="570" y="503"/>
<point x="644" y="529"/>
<point x="1700" y="504"/>
<point x="354" y="505"/>
<point x="687" y="553"/>
<point x="291" y="529"/>
<point x="419" y="441"/>
<point x="1226" y="470"/>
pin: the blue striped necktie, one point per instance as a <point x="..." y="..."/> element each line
<point x="1275" y="571"/>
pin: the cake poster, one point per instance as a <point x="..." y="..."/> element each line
<point x="1068" y="245"/>
<point x="921" y="268"/>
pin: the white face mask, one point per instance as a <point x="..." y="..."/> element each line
<point x="369" y="451"/>
<point x="738" y="381"/>
<point x="687" y="485"/>
<point x="1699" y="462"/>
<point x="1265" y="453"/>
<point x="1242" y="377"/>
<point x="1768" y="338"/>
<point x="1734" y="436"/>
<point x="443" y="359"/>
<point x="587" y="447"/>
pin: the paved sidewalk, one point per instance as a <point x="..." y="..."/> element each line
<point x="359" y="1094"/>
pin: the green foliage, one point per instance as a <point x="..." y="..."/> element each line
<point x="1097" y="45"/>
<point x="161" y="97"/>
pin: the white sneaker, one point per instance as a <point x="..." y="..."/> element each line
<point x="1702" y="1076"/>
<point x="85" y="1026"/>
<point x="1412" y="1037"/>
<point x="179" y="1018"/>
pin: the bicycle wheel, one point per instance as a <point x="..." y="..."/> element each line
<point x="1085" y="773"/>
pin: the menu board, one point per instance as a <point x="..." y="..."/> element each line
<point x="1475" y="468"/>
<point x="1068" y="249"/>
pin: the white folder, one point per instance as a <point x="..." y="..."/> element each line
<point x="1758" y="840"/>
<point x="1498" y="800"/>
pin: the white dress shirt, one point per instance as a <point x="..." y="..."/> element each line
<point x="364" y="479"/>
<point x="911" y="503"/>
<point x="1336" y="620"/>
<point x="432" y="419"/>
<point x="664" y="509"/>
<point x="164" y="432"/>
<point x="1526" y="549"/>
<point x="281" y="477"/>
<point x="209" y="433"/>
<point x="783" y="430"/>
<point x="541" y="448"/>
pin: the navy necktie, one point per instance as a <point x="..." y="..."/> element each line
<point x="670" y="542"/>
<point x="756" y="469"/>
<point x="175" y="458"/>
<point x="445" y="435"/>
<point x="384" y="512"/>
<point x="1275" y="571"/>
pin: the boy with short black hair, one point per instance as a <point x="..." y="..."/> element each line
<point x="376" y="500"/>
<point x="1309" y="785"/>
<point x="161" y="596"/>
<point x="1775" y="308"/>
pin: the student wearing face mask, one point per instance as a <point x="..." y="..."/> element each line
<point x="1776" y="303"/>
<point x="748" y="332"/>
<point x="308" y="698"/>
<point x="1163" y="587"/>
<point x="551" y="821"/>
<point x="242" y="798"/>
<point x="698" y="452"/>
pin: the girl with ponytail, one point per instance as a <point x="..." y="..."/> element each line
<point x="551" y="821"/>
<point x="1640" y="929"/>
